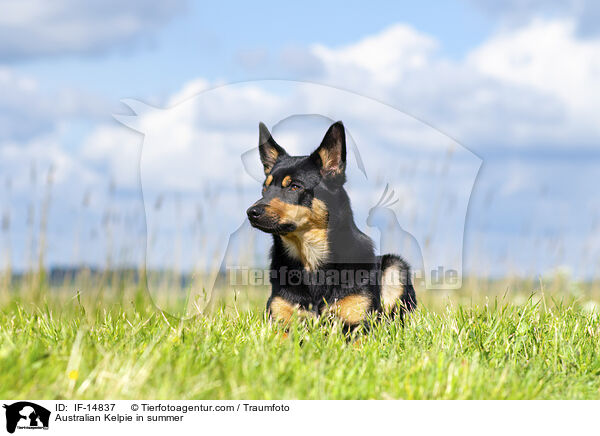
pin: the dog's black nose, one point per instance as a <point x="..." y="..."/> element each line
<point x="255" y="212"/>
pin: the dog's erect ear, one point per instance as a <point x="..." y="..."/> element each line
<point x="269" y="150"/>
<point x="330" y="157"/>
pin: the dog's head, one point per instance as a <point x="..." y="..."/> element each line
<point x="296" y="188"/>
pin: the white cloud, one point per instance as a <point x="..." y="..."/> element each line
<point x="188" y="90"/>
<point x="114" y="152"/>
<point x="518" y="13"/>
<point x="536" y="86"/>
<point x="547" y="56"/>
<point x="43" y="153"/>
<point x="33" y="28"/>
<point x="28" y="110"/>
<point x="383" y="59"/>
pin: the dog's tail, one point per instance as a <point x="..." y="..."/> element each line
<point x="397" y="291"/>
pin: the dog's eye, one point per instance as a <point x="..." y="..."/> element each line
<point x="295" y="186"/>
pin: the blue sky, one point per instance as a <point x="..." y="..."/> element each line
<point x="517" y="84"/>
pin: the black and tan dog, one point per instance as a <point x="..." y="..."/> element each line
<point x="320" y="261"/>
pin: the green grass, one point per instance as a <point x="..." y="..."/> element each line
<point x="62" y="347"/>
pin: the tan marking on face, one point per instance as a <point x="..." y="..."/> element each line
<point x="352" y="309"/>
<point x="308" y="243"/>
<point x="269" y="180"/>
<point x="282" y="310"/>
<point x="392" y="288"/>
<point x="286" y="181"/>
<point x="305" y="218"/>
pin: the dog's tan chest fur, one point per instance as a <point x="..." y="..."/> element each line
<point x="308" y="243"/>
<point x="309" y="246"/>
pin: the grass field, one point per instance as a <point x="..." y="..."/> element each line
<point x="526" y="344"/>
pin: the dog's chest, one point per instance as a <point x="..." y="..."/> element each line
<point x="310" y="248"/>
